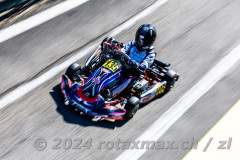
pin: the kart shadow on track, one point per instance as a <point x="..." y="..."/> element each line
<point x="70" y="116"/>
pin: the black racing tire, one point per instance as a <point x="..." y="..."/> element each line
<point x="171" y="77"/>
<point x="73" y="69"/>
<point x="132" y="106"/>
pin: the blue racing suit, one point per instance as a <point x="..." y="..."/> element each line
<point x="141" y="59"/>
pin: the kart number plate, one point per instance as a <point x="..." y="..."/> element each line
<point x="111" y="65"/>
<point x="161" y="90"/>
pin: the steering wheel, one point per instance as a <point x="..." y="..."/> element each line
<point x="109" y="53"/>
<point x="124" y="58"/>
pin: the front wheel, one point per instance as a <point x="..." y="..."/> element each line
<point x="73" y="71"/>
<point x="132" y="106"/>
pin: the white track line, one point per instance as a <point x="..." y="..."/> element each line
<point x="26" y="88"/>
<point x="163" y="123"/>
<point x="38" y="19"/>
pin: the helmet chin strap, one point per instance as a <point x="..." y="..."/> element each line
<point x="139" y="46"/>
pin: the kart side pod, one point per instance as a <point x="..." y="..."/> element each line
<point x="153" y="91"/>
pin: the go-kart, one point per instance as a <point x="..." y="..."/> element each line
<point x="107" y="87"/>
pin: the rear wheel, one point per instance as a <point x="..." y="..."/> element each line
<point x="73" y="71"/>
<point x="171" y="77"/>
<point x="132" y="106"/>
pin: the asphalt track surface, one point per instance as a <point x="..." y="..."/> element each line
<point x="192" y="35"/>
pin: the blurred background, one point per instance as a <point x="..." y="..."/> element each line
<point x="191" y="35"/>
<point x="12" y="11"/>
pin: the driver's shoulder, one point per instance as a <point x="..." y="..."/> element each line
<point x="131" y="43"/>
<point x="151" y="50"/>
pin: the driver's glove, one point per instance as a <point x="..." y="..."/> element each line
<point x="105" y="48"/>
<point x="134" y="64"/>
<point x="119" y="52"/>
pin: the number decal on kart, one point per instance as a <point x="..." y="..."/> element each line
<point x="111" y="65"/>
<point x="161" y="89"/>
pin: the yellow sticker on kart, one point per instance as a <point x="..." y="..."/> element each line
<point x="111" y="65"/>
<point x="161" y="90"/>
